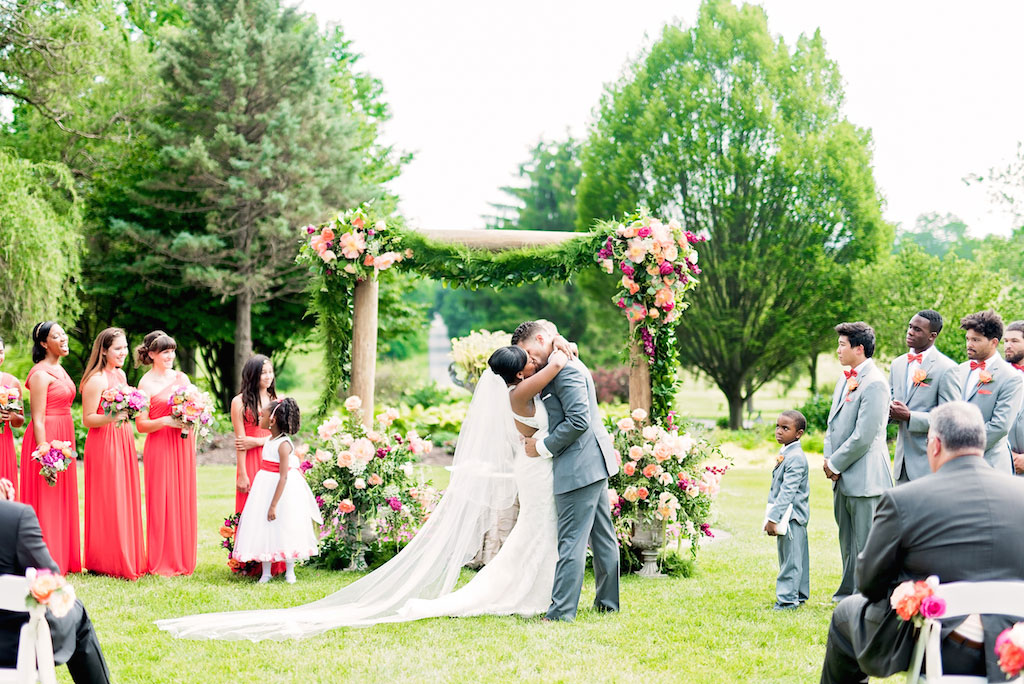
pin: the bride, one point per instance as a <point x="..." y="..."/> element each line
<point x="489" y="469"/>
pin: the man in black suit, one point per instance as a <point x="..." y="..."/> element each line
<point x="962" y="522"/>
<point x="74" y="639"/>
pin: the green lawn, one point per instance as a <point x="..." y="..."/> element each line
<point x="714" y="627"/>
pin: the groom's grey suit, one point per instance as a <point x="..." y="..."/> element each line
<point x="583" y="461"/>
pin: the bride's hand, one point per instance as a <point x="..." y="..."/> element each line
<point x="558" y="358"/>
<point x="566" y="347"/>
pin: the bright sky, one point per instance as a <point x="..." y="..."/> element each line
<point x="473" y="85"/>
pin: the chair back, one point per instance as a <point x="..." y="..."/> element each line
<point x="962" y="599"/>
<point x="35" y="647"/>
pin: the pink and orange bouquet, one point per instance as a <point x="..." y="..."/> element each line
<point x="917" y="601"/>
<point x="130" y="400"/>
<point x="360" y="242"/>
<point x="227" y="532"/>
<point x="193" y="408"/>
<point x="1010" y="649"/>
<point x="54" y="457"/>
<point x="10" y="400"/>
<point x="50" y="590"/>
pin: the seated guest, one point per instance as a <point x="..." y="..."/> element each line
<point x="74" y="639"/>
<point x="962" y="522"/>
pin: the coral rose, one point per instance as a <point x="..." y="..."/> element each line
<point x="44" y="584"/>
<point x="629" y="468"/>
<point x="346" y="506"/>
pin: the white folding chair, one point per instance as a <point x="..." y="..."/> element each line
<point x="962" y="599"/>
<point x="35" y="649"/>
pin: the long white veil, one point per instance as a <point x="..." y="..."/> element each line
<point x="482" y="483"/>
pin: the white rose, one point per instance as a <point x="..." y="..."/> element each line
<point x="360" y="483"/>
<point x="353" y="403"/>
<point x="639" y="414"/>
<point x="330" y="483"/>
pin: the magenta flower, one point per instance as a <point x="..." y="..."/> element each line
<point x="666" y="268"/>
<point x="627" y="269"/>
<point x="933" y="607"/>
<point x="395" y="503"/>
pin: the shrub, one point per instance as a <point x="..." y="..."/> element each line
<point x="611" y="384"/>
<point x="816" y="410"/>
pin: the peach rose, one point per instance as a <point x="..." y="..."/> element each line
<point x="360" y="483"/>
<point x="636" y="453"/>
<point x="651" y="433"/>
<point x="626" y="424"/>
<point x="227" y="532"/>
<point x="346" y="506"/>
<point x="62" y="601"/>
<point x="638" y="415"/>
<point x="363" y="450"/>
<point x="919" y="376"/>
<point x="375" y="480"/>
<point x="650" y="471"/>
<point x="353" y="403"/>
<point x="44" y="585"/>
<point x="642" y="492"/>
<point x="323" y="456"/>
<point x="345" y="459"/>
<point x="352" y="245"/>
<point x="629" y="468"/>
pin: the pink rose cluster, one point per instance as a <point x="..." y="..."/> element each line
<point x="1010" y="649"/>
<point x="356" y="243"/>
<point x="50" y="590"/>
<point x="916" y="600"/>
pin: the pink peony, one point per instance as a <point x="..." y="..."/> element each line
<point x="363" y="450"/>
<point x="352" y="245"/>
<point x="626" y="424"/>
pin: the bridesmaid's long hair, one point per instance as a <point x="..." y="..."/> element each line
<point x="153" y="343"/>
<point x="39" y="335"/>
<point x="98" y="357"/>
<point x="251" y="372"/>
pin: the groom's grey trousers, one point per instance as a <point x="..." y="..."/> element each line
<point x="584" y="513"/>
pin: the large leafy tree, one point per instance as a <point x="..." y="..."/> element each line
<point x="739" y="135"/>
<point x="253" y="142"/>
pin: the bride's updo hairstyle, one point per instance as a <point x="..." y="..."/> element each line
<point x="506" y="362"/>
<point x="153" y="343"/>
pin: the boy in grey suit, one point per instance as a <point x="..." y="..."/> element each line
<point x="856" y="457"/>
<point x="789" y="494"/>
<point x="991" y="384"/>
<point x="1013" y="353"/>
<point x="584" y="459"/>
<point x="919" y="381"/>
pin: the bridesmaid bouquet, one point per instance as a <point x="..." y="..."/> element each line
<point x="54" y="457"/>
<point x="123" y="398"/>
<point x="10" y="399"/>
<point x="192" y="407"/>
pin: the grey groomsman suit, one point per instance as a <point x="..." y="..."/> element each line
<point x="962" y="523"/>
<point x="584" y="459"/>
<point x="791" y="486"/>
<point x="1000" y="402"/>
<point x="855" y="448"/>
<point x="942" y="385"/>
<point x="1016" y="435"/>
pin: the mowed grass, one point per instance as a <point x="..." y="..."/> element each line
<point x="717" y="626"/>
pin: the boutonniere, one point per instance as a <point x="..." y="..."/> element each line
<point x="920" y="378"/>
<point x="779" y="459"/>
<point x="851" y="387"/>
<point x="984" y="377"/>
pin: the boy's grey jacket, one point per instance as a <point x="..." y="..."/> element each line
<point x="790" y="485"/>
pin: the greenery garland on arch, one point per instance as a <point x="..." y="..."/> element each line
<point x="657" y="261"/>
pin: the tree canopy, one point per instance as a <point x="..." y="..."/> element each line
<point x="735" y="133"/>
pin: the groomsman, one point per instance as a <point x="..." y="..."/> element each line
<point x="919" y="381"/>
<point x="1013" y="352"/>
<point x="856" y="457"/>
<point x="991" y="384"/>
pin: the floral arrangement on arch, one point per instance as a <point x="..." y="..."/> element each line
<point x="470" y="353"/>
<point x="663" y="480"/>
<point x="364" y="484"/>
<point x="359" y="243"/>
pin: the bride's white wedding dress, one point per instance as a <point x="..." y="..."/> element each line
<point x="490" y="466"/>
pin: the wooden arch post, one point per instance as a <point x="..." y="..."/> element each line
<point x="364" y="315"/>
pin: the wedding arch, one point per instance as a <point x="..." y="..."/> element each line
<point x="655" y="262"/>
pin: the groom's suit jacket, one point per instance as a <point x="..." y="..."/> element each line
<point x="917" y="532"/>
<point x="579" y="444"/>
<point x="1000" y="403"/>
<point x="855" y="438"/>
<point x="942" y="385"/>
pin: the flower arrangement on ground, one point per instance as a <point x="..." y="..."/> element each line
<point x="45" y="588"/>
<point x="54" y="457"/>
<point x="363" y="481"/>
<point x="194" y="408"/>
<point x="10" y="400"/>
<point x="470" y="353"/>
<point x="1010" y="649"/>
<point x="358" y="242"/>
<point x="124" y="398"/>
<point x="227" y="531"/>
<point x="663" y="482"/>
<point x="658" y="266"/>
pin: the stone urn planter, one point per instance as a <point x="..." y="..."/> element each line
<point x="647" y="539"/>
<point x="359" y="534"/>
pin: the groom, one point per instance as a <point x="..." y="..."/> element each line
<point x="583" y="461"/>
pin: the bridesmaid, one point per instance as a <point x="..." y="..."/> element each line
<point x="113" y="500"/>
<point x="51" y="392"/>
<point x="9" y="419"/>
<point x="169" y="464"/>
<point x="257" y="391"/>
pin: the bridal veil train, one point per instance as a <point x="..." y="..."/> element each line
<point x="428" y="567"/>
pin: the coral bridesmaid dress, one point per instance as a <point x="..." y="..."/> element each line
<point x="170" y="475"/>
<point x="113" y="498"/>
<point x="253" y="457"/>
<point x="8" y="457"/>
<point x="56" y="506"/>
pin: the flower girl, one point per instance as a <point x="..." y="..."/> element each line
<point x="275" y="523"/>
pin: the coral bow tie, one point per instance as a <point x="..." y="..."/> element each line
<point x="850" y="374"/>
<point x="1018" y="366"/>
<point x="975" y="365"/>
<point x="911" y="358"/>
